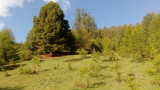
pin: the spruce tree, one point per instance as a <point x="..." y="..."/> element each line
<point x="50" y="32"/>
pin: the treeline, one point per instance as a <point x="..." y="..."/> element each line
<point x="141" y="40"/>
<point x="51" y="34"/>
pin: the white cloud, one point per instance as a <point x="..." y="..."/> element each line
<point x="65" y="3"/>
<point x="5" y="6"/>
<point x="1" y="25"/>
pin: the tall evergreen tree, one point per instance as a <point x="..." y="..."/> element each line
<point x="50" y="32"/>
<point x="84" y="26"/>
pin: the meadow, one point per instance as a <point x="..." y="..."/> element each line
<point x="55" y="74"/>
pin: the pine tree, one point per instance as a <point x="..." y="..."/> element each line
<point x="50" y="32"/>
<point x="84" y="26"/>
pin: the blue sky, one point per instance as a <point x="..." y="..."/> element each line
<point x="18" y="14"/>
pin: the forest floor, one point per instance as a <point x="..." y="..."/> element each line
<point x="53" y="74"/>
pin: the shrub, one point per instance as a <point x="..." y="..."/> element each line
<point x="137" y="58"/>
<point x="131" y="83"/>
<point x="57" y="66"/>
<point x="25" y="55"/>
<point x="93" y="69"/>
<point x="83" y="53"/>
<point x="118" y="78"/>
<point x="83" y="82"/>
<point x="156" y="63"/>
<point x="95" y="56"/>
<point x="113" y="57"/>
<point x="25" y="70"/>
<point x="35" y="63"/>
<point x="157" y="79"/>
<point x="20" y="69"/>
<point x="69" y="66"/>
<point x="116" y="66"/>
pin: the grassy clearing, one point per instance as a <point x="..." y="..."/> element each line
<point x="53" y="74"/>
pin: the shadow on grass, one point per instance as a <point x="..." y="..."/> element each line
<point x="97" y="84"/>
<point x="104" y="67"/>
<point x="73" y="60"/>
<point x="12" y="88"/>
<point x="11" y="67"/>
<point x="103" y="77"/>
<point x="108" y="60"/>
<point x="76" y="59"/>
<point x="43" y="70"/>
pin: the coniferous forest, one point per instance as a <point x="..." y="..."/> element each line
<point x="57" y="56"/>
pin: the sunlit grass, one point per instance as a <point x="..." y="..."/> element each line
<point x="50" y="78"/>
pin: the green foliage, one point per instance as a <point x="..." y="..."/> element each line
<point x="8" y="48"/>
<point x="96" y="44"/>
<point x="131" y="83"/>
<point x="107" y="46"/>
<point x="156" y="64"/>
<point x="84" y="82"/>
<point x="118" y="77"/>
<point x="113" y="57"/>
<point x="25" y="69"/>
<point x="137" y="58"/>
<point x="50" y="32"/>
<point x="36" y="63"/>
<point x="69" y="67"/>
<point x="20" y="69"/>
<point x="57" y="66"/>
<point x="157" y="79"/>
<point x="91" y="69"/>
<point x="96" y="56"/>
<point x="116" y="66"/>
<point x="11" y="61"/>
<point x="84" y="26"/>
<point x="83" y="53"/>
<point x="25" y="55"/>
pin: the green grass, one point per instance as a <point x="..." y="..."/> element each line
<point x="61" y="78"/>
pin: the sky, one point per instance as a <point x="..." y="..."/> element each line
<point x="18" y="14"/>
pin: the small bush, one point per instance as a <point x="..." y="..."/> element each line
<point x="137" y="58"/>
<point x="131" y="83"/>
<point x="83" y="82"/>
<point x="156" y="63"/>
<point x="24" y="70"/>
<point x="25" y="55"/>
<point x="118" y="77"/>
<point x="116" y="66"/>
<point x="83" y="53"/>
<point x="57" y="66"/>
<point x="96" y="56"/>
<point x="35" y="63"/>
<point x="69" y="66"/>
<point x="113" y="57"/>
<point x="92" y="69"/>
<point x="157" y="79"/>
<point x="20" y="69"/>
